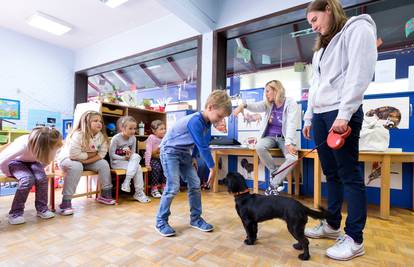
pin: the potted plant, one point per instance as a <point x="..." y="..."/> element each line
<point x="146" y="103"/>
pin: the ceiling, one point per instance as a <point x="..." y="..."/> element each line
<point x="92" y="21"/>
<point x="276" y="43"/>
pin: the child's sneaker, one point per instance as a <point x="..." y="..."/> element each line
<point x="46" y="214"/>
<point x="126" y="187"/>
<point x="345" y="249"/>
<point x="14" y="220"/>
<point x="155" y="193"/>
<point x="323" y="230"/>
<point x="66" y="208"/>
<point x="201" y="225"/>
<point x="141" y="197"/>
<point x="164" y="229"/>
<point x="105" y="200"/>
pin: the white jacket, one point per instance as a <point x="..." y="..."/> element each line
<point x="290" y="119"/>
<point x="342" y="72"/>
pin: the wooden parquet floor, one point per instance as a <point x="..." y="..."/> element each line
<point x="99" y="235"/>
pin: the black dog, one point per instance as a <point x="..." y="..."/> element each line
<point x="254" y="208"/>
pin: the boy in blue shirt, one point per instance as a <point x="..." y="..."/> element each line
<point x="190" y="135"/>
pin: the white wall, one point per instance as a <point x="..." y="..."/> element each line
<point x="166" y="30"/>
<point x="236" y="11"/>
<point x="37" y="73"/>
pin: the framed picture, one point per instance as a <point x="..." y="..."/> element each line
<point x="9" y="109"/>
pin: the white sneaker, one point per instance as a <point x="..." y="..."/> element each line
<point x="46" y="215"/>
<point x="280" y="187"/>
<point x="16" y="220"/>
<point x="155" y="193"/>
<point x="323" y="230"/>
<point x="126" y="187"/>
<point x="345" y="249"/>
<point x="141" y="197"/>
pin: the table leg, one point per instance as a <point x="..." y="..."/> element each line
<point x="385" y="187"/>
<point x="289" y="176"/>
<point x="215" y="182"/>
<point x="317" y="182"/>
<point x="297" y="178"/>
<point x="255" y="173"/>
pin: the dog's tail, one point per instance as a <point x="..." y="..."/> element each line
<point x="320" y="214"/>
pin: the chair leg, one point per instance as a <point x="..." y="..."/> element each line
<point x="88" y="186"/>
<point x="146" y="183"/>
<point x="52" y="194"/>
<point x="116" y="188"/>
<point x="97" y="188"/>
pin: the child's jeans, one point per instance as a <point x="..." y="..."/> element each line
<point x="74" y="169"/>
<point x="28" y="174"/>
<point x="157" y="173"/>
<point x="175" y="165"/>
<point x="133" y="169"/>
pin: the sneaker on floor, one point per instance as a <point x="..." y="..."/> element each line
<point x="164" y="229"/>
<point x="66" y="209"/>
<point x="126" y="187"/>
<point x="345" y="249"/>
<point x="202" y="225"/>
<point x="155" y="193"/>
<point x="15" y="220"/>
<point x="323" y="230"/>
<point x="46" y="214"/>
<point x="280" y="187"/>
<point x="105" y="200"/>
<point x="270" y="191"/>
<point x="141" y="197"/>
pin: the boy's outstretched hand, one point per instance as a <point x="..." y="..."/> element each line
<point x="211" y="177"/>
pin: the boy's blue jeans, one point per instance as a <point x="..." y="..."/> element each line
<point x="175" y="165"/>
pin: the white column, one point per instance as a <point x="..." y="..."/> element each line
<point x="206" y="67"/>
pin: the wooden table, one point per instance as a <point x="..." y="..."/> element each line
<point x="386" y="158"/>
<point x="244" y="151"/>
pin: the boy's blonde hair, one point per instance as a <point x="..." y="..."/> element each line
<point x="280" y="93"/>
<point x="339" y="19"/>
<point x="219" y="99"/>
<point x="155" y="124"/>
<point x="84" y="127"/>
<point x="42" y="140"/>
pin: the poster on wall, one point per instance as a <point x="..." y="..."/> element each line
<point x="223" y="165"/>
<point x="220" y="128"/>
<point x="245" y="168"/>
<point x="392" y="112"/>
<point x="248" y="138"/>
<point x="44" y="118"/>
<point x="9" y="109"/>
<point x="250" y="121"/>
<point x="372" y="175"/>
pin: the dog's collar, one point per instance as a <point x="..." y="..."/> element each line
<point x="241" y="193"/>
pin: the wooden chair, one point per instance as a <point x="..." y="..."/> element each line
<point x="120" y="172"/>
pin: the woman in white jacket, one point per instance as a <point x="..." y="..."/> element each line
<point x="278" y="130"/>
<point x="343" y="66"/>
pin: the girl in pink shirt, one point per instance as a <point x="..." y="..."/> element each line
<point x="25" y="160"/>
<point x="152" y="157"/>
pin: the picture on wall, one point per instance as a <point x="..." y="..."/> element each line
<point x="248" y="138"/>
<point x="9" y="109"/>
<point x="222" y="167"/>
<point x="245" y="168"/>
<point x="220" y="128"/>
<point x="44" y="118"/>
<point x="373" y="175"/>
<point x="250" y="121"/>
<point x="392" y="112"/>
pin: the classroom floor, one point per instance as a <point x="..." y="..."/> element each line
<point x="99" y="235"/>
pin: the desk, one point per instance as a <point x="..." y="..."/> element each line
<point x="244" y="151"/>
<point x="384" y="157"/>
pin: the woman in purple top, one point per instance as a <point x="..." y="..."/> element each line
<point x="278" y="130"/>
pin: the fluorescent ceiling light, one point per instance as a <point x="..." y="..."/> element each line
<point x="113" y="3"/>
<point x="48" y="23"/>
<point x="153" y="67"/>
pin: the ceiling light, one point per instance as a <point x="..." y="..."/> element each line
<point x="153" y="67"/>
<point x="48" y="23"/>
<point x="113" y="3"/>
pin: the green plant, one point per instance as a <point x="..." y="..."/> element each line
<point x="146" y="102"/>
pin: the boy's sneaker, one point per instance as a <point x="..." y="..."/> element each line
<point x="271" y="191"/>
<point x="164" y="229"/>
<point x="19" y="219"/>
<point x="155" y="193"/>
<point x="105" y="200"/>
<point x="66" y="208"/>
<point x="46" y="214"/>
<point x="141" y="197"/>
<point x="280" y="187"/>
<point x="202" y="225"/>
<point x="126" y="187"/>
<point x="345" y="249"/>
<point x="323" y="230"/>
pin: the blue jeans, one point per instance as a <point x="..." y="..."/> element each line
<point x="175" y="165"/>
<point x="343" y="175"/>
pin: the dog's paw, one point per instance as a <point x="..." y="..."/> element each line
<point x="298" y="246"/>
<point x="304" y="256"/>
<point x="249" y="241"/>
